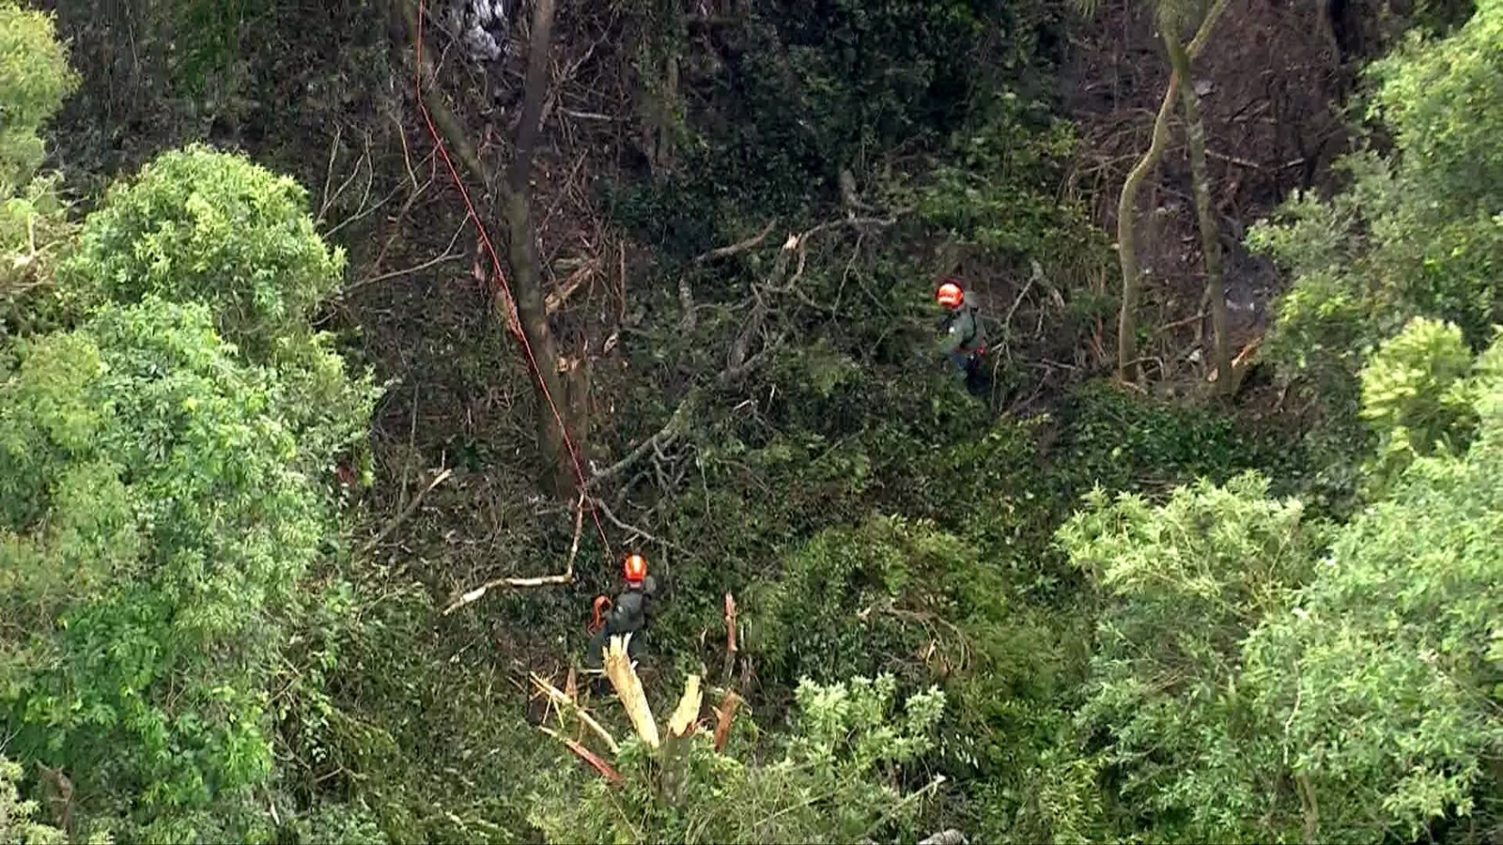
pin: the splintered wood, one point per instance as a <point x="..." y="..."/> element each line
<point x="629" y="690"/>
<point x="684" y="719"/>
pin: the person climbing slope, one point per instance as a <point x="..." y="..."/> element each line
<point x="628" y="614"/>
<point x="963" y="338"/>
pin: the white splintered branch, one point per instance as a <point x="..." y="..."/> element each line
<point x="565" y="577"/>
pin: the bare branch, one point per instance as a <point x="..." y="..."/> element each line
<point x="738" y="247"/>
<point x="448" y="255"/>
<point x="406" y="513"/>
<point x="562" y="699"/>
<point x="565" y="577"/>
<point x="664" y="436"/>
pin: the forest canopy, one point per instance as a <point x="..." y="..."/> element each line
<point x="440" y="420"/>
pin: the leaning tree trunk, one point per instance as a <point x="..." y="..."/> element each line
<point x="513" y="206"/>
<point x="1127" y="252"/>
<point x="1210" y="235"/>
<point x="553" y="407"/>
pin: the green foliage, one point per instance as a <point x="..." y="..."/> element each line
<point x="1397" y="639"/>
<point x="832" y="780"/>
<point x="1185" y="583"/>
<point x="34" y="81"/>
<point x="998" y="188"/>
<point x="1415" y="393"/>
<point x="1417" y="234"/>
<point x="801" y="93"/>
<point x="1248" y="685"/>
<point x="18" y="819"/>
<point x="154" y="528"/>
<point x="852" y="601"/>
<point x="202" y="226"/>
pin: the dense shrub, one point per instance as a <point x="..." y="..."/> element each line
<point x="155" y="526"/>
<point x="34" y="81"/>
<point x="1416" y="233"/>
<point x="213" y="228"/>
<point x="202" y="226"/>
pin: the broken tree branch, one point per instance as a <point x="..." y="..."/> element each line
<point x="737" y="247"/>
<point x="725" y="716"/>
<point x="664" y="436"/>
<point x="566" y="577"/>
<point x="406" y="513"/>
<point x="585" y="754"/>
<point x="563" y="699"/>
<point x="629" y="690"/>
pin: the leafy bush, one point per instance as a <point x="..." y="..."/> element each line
<point x="1386" y="674"/>
<point x="834" y="780"/>
<point x="212" y="228"/>
<point x="202" y="226"/>
<point x="859" y="601"/>
<point x="153" y="528"/>
<point x="1185" y="583"/>
<point x="1417" y="234"/>
<point x="18" y="822"/>
<point x="34" y="81"/>
<point x="1248" y="685"/>
<point x="1415" y="393"/>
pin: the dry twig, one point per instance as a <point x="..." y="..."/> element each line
<point x="563" y="699"/>
<point x="406" y="513"/>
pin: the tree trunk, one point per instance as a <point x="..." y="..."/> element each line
<point x="1127" y="248"/>
<point x="514" y="194"/>
<point x="553" y="424"/>
<point x="1127" y="252"/>
<point x="1210" y="234"/>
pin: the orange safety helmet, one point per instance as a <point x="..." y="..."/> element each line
<point x="950" y="295"/>
<point x="634" y="569"/>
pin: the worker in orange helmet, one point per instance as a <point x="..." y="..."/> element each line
<point x="963" y="338"/>
<point x="628" y="614"/>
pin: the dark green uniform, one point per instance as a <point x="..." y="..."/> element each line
<point x="629" y="615"/>
<point x="962" y="341"/>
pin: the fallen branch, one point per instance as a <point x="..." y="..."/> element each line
<point x="639" y="532"/>
<point x="565" y="700"/>
<point x="1038" y="273"/>
<point x="566" y="577"/>
<point x="586" y="755"/>
<point x="573" y="283"/>
<point x="664" y="436"/>
<point x="738" y="247"/>
<point x="406" y="513"/>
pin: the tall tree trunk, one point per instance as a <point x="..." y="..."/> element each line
<point x="1127" y="251"/>
<point x="1127" y="247"/>
<point x="514" y="194"/>
<point x="1210" y="234"/>
<point x="553" y="422"/>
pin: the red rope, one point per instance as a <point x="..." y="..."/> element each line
<point x="499" y="275"/>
